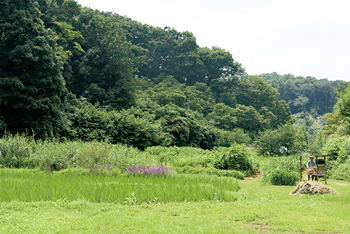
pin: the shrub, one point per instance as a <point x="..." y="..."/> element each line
<point x="234" y="158"/>
<point x="284" y="178"/>
<point x="341" y="172"/>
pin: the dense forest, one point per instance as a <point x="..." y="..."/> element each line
<point x="305" y="94"/>
<point x="76" y="73"/>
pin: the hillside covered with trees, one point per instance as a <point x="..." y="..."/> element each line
<point x="79" y="73"/>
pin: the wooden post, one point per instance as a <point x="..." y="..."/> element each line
<point x="301" y="173"/>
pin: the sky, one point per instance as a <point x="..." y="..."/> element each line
<point x="300" y="37"/>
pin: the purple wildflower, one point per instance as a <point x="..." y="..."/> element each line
<point x="101" y="168"/>
<point x="150" y="170"/>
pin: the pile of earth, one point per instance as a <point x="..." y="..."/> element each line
<point x="311" y="188"/>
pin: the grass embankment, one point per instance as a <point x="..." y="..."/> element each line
<point x="259" y="208"/>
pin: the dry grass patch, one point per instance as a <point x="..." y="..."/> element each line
<point x="312" y="188"/>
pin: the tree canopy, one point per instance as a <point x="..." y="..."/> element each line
<point x="84" y="74"/>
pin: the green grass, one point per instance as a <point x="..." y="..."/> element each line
<point x="35" y="185"/>
<point x="260" y="208"/>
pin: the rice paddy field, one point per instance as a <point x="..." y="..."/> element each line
<point x="94" y="187"/>
<point x="33" y="201"/>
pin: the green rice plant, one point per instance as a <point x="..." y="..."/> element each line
<point x="35" y="185"/>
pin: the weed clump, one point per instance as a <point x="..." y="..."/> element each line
<point x="312" y="188"/>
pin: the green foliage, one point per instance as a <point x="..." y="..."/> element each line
<point x="337" y="148"/>
<point x="184" y="92"/>
<point x="256" y="92"/>
<point x="237" y="135"/>
<point x="90" y="122"/>
<point x="282" y="140"/>
<point x="186" y="127"/>
<point x="318" y="143"/>
<point x="223" y="116"/>
<point x="284" y="178"/>
<point x="279" y="168"/>
<point x="311" y="124"/>
<point x="341" y="171"/>
<point x="31" y="66"/>
<point x="301" y="139"/>
<point x="16" y="151"/>
<point x="234" y="158"/>
<point x="316" y="96"/>
<point x="168" y="90"/>
<point x="210" y="171"/>
<point x="338" y="121"/>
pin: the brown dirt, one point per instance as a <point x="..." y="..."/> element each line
<point x="312" y="188"/>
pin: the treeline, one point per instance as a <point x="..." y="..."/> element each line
<point x="79" y="73"/>
<point x="305" y="94"/>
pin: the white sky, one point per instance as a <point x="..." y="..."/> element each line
<point x="301" y="37"/>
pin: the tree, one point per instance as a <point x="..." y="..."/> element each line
<point x="339" y="120"/>
<point x="301" y="140"/>
<point x="219" y="65"/>
<point x="103" y="70"/>
<point x="31" y="66"/>
<point x="256" y="92"/>
<point x="276" y="141"/>
<point x="316" y="96"/>
<point x="249" y="119"/>
<point x="223" y="116"/>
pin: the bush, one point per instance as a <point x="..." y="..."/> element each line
<point x="341" y="172"/>
<point x="234" y="158"/>
<point x="284" y="178"/>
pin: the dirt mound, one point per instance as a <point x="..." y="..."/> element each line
<point x="311" y="188"/>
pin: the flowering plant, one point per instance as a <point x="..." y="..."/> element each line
<point x="97" y="169"/>
<point x="150" y="170"/>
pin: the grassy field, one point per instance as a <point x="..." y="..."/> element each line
<point x="257" y="207"/>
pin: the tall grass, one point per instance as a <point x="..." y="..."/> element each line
<point x="21" y="151"/>
<point x="35" y="185"/>
<point x="275" y="170"/>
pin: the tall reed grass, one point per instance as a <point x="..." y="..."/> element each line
<point x="19" y="151"/>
